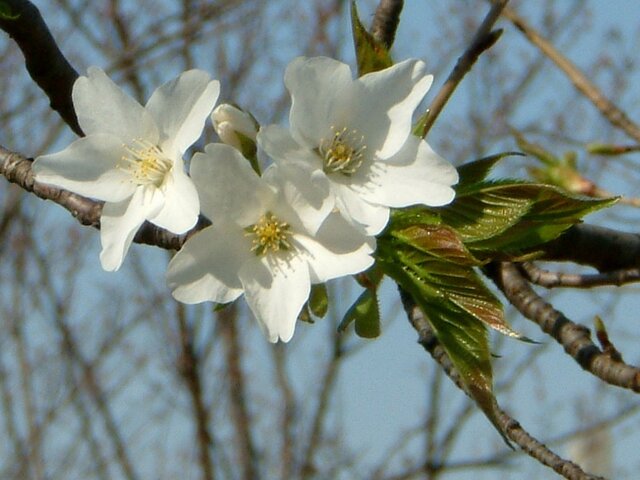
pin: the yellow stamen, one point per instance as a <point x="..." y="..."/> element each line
<point x="269" y="235"/>
<point x="147" y="164"/>
<point x="344" y="153"/>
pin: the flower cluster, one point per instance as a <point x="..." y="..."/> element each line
<point x="312" y="216"/>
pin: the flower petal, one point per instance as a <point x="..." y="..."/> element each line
<point x="415" y="175"/>
<point x="367" y="217"/>
<point x="180" y="107"/>
<point x="181" y="204"/>
<point x="88" y="167"/>
<point x="278" y="143"/>
<point x="228" y="187"/>
<point x="306" y="192"/>
<point x="120" y="222"/>
<point x="275" y="292"/>
<point x="315" y="85"/>
<point x="337" y="250"/>
<point x="382" y="103"/>
<point x="102" y="107"/>
<point x="206" y="268"/>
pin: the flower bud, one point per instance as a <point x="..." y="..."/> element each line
<point x="236" y="127"/>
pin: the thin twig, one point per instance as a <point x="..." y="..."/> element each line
<point x="247" y="453"/>
<point x="385" y="21"/>
<point x="609" y="110"/>
<point x="510" y="427"/>
<point x="575" y="338"/>
<point x="25" y="367"/>
<point x="288" y="410"/>
<point x="482" y="41"/>
<point x="126" y="59"/>
<point x="98" y="396"/>
<point x="189" y="369"/>
<point x="327" y="386"/>
<point x="17" y="169"/>
<point x="549" y="279"/>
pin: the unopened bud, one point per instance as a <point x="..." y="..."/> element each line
<point x="236" y="127"/>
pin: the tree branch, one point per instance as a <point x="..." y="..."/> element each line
<point x="549" y="279"/>
<point x="609" y="110"/>
<point x="308" y="469"/>
<point x="45" y="63"/>
<point x="482" y="41"/>
<point x="599" y="247"/>
<point x="247" y="452"/>
<point x="189" y="369"/>
<point x="385" y="21"/>
<point x="510" y="427"/>
<point x="575" y="338"/>
<point x="17" y="169"/>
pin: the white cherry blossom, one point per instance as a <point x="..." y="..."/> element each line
<point x="258" y="244"/>
<point x="131" y="156"/>
<point x="352" y="139"/>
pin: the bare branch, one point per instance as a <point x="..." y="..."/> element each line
<point x="575" y="338"/>
<point x="385" y="21"/>
<point x="17" y="169"/>
<point x="549" y="279"/>
<point x="288" y="410"/>
<point x="602" y="248"/>
<point x="482" y="41"/>
<point x="189" y="369"/>
<point x="97" y="394"/>
<point x="510" y="427"/>
<point x="228" y="328"/>
<point x="44" y="61"/>
<point x="327" y="387"/>
<point x="609" y="110"/>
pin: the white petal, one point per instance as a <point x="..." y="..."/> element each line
<point x="206" y="268"/>
<point x="120" y="222"/>
<point x="337" y="250"/>
<point x="181" y="205"/>
<point x="102" y="107"/>
<point x="382" y="104"/>
<point x="276" y="293"/>
<point x="278" y="143"/>
<point x="306" y="192"/>
<point x="415" y="175"/>
<point x="228" y="186"/>
<point x="181" y="106"/>
<point x="316" y="85"/>
<point x="88" y="167"/>
<point x="367" y="217"/>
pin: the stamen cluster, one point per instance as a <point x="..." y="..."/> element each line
<point x="270" y="235"/>
<point x="147" y="164"/>
<point x="344" y="153"/>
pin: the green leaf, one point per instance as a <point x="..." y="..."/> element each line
<point x="318" y="300"/>
<point x="439" y="241"/>
<point x="365" y="312"/>
<point x="536" y="150"/>
<point x="474" y="172"/>
<point x="484" y="213"/>
<point x="370" y="54"/>
<point x="418" y="128"/>
<point x="503" y="219"/>
<point x="552" y="211"/>
<point x="463" y="337"/>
